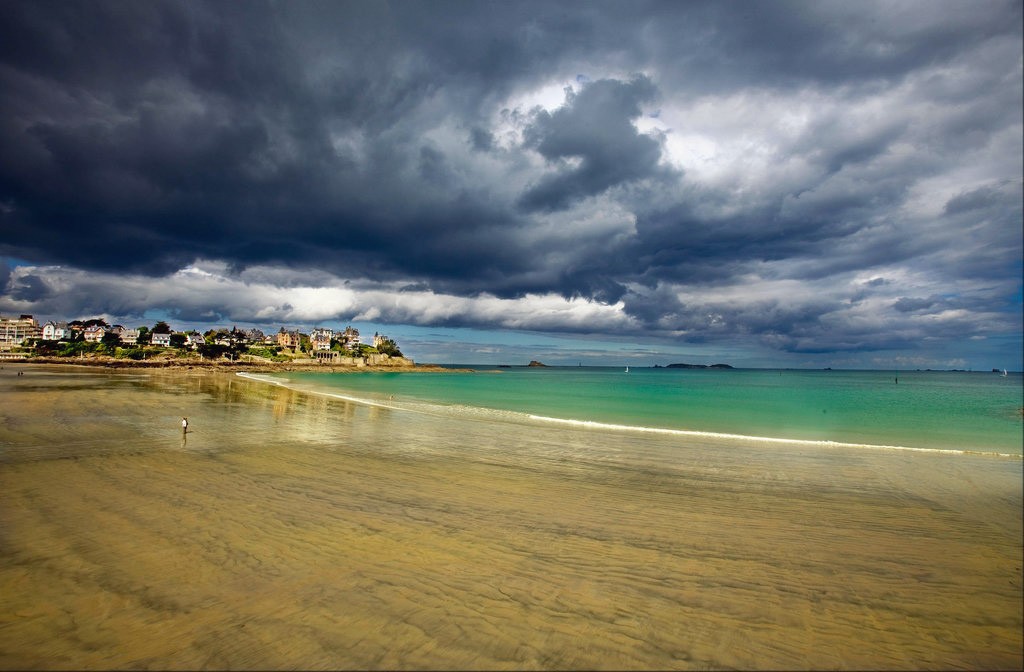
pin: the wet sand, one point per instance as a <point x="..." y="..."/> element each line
<point x="293" y="531"/>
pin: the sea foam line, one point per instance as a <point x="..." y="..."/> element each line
<point x="284" y="383"/>
<point x="591" y="424"/>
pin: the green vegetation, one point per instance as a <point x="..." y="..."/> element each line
<point x="130" y="353"/>
<point x="210" y="350"/>
<point x="77" y="348"/>
<point x="268" y="352"/>
<point x="213" y="350"/>
<point x="388" y="347"/>
<point x="110" y="342"/>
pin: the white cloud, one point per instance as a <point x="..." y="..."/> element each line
<point x="206" y="291"/>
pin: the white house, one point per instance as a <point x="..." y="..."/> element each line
<point x="95" y="333"/>
<point x="54" y="331"/>
<point x="350" y="338"/>
<point x="130" y="336"/>
<point x="163" y="340"/>
<point x="321" y="333"/>
<point x="320" y="338"/>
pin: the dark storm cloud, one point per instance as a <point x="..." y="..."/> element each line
<point x="594" y="128"/>
<point x="695" y="146"/>
<point x="226" y="134"/>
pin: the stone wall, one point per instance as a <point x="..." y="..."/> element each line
<point x="337" y="359"/>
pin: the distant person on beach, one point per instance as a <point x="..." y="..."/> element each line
<point x="184" y="425"/>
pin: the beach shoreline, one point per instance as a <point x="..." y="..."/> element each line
<point x="294" y="530"/>
<point x="180" y="364"/>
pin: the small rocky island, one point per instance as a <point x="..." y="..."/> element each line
<point x="534" y="362"/>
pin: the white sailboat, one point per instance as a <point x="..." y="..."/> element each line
<point x="1004" y="373"/>
<point x="627" y="369"/>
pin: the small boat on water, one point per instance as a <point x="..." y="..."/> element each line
<point x="1004" y="373"/>
<point x="627" y="369"/>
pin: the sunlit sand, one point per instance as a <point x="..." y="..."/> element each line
<point x="288" y="530"/>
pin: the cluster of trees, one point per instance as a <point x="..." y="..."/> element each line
<point x="228" y="343"/>
<point x="388" y="347"/>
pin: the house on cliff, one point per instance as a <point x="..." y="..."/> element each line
<point x="320" y="339"/>
<point x="350" y="338"/>
<point x="55" y="331"/>
<point x="95" y="333"/>
<point x="289" y="339"/>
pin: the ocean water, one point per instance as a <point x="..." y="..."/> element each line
<point x="962" y="411"/>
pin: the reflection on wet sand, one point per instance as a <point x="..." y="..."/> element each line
<point x="290" y="530"/>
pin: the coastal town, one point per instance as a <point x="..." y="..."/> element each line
<point x="23" y="338"/>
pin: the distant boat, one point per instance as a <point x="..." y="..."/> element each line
<point x="627" y="369"/>
<point x="1004" y="373"/>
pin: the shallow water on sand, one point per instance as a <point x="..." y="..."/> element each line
<point x="915" y="409"/>
<point x="293" y="530"/>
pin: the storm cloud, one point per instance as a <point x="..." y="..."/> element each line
<point x="804" y="177"/>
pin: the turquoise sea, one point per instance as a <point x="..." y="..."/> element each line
<point x="962" y="411"/>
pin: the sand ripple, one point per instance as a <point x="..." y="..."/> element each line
<point x="289" y="531"/>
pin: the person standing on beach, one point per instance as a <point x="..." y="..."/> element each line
<point x="184" y="425"/>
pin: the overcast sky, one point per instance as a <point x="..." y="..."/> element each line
<point x="800" y="184"/>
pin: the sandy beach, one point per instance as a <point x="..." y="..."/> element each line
<point x="289" y="530"/>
